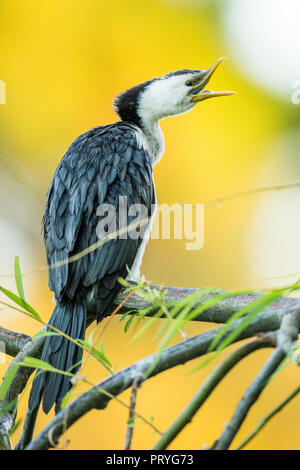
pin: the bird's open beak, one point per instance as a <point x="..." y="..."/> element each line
<point x="197" y="93"/>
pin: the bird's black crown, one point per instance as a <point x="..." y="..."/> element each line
<point x="126" y="104"/>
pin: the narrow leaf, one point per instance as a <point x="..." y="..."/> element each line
<point x="18" y="278"/>
<point x="9" y="376"/>
<point x="66" y="398"/>
<point x="45" y="333"/>
<point x="99" y="355"/>
<point x="128" y="323"/>
<point x="42" y="365"/>
<point x="21" y="302"/>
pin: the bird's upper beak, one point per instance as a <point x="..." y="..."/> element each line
<point x="197" y="93"/>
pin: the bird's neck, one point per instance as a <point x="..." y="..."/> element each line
<point x="154" y="137"/>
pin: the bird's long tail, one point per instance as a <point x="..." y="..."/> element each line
<point x="70" y="318"/>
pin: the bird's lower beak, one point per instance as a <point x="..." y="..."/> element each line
<point x="197" y="93"/>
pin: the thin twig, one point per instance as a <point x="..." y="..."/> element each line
<point x="268" y="417"/>
<point x="247" y="192"/>
<point x="205" y="391"/>
<point x="28" y="428"/>
<point x="248" y="399"/>
<point x="130" y="426"/>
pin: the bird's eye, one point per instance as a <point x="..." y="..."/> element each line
<point x="188" y="83"/>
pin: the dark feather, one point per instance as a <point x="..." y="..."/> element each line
<point x="99" y="167"/>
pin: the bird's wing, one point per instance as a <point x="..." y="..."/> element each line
<point x="101" y="165"/>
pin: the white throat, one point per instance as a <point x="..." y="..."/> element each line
<point x="155" y="139"/>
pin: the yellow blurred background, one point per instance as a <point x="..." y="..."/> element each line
<point x="62" y="63"/>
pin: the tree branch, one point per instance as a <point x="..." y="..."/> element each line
<point x="116" y="384"/>
<point x="31" y="348"/>
<point x="130" y="425"/>
<point x="28" y="428"/>
<point x="219" y="312"/>
<point x="287" y="334"/>
<point x="13" y="342"/>
<point x="268" y="417"/>
<point x="205" y="390"/>
<point x="248" y="399"/>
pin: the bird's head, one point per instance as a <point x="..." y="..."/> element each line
<point x="169" y="95"/>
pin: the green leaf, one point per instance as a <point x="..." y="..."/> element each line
<point x="205" y="362"/>
<point x="18" y="278"/>
<point x="145" y="327"/>
<point x="128" y="323"/>
<point x="42" y="365"/>
<point x="96" y="353"/>
<point x="8" y="378"/>
<point x="45" y="333"/>
<point x="15" y="427"/>
<point x="22" y="303"/>
<point x="137" y="322"/>
<point x="125" y="314"/>
<point x="131" y="422"/>
<point x="8" y="407"/>
<point x="90" y="338"/>
<point x="123" y="282"/>
<point x="66" y="398"/>
<point x="78" y="364"/>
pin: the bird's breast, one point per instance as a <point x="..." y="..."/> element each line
<point x="152" y="140"/>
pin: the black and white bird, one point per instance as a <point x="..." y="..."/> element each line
<point x="100" y="166"/>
